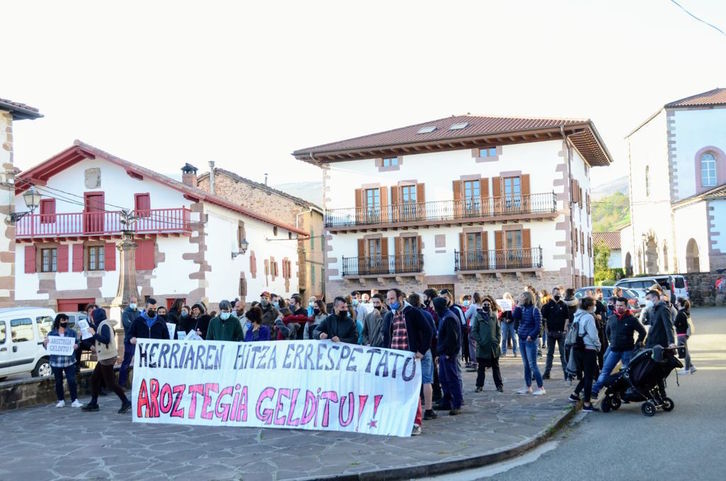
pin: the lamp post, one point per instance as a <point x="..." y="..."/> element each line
<point x="32" y="201"/>
<point x="127" y="286"/>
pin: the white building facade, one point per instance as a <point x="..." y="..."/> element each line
<point x="678" y="187"/>
<point x="465" y="203"/>
<point x="189" y="243"/>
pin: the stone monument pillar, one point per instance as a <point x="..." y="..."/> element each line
<point x="126" y="283"/>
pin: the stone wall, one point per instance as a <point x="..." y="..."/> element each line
<point x="702" y="290"/>
<point x="7" y="199"/>
<point x="492" y="284"/>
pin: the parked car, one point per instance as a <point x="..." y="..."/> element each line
<point x="675" y="284"/>
<point x="22" y="330"/>
<point x="634" y="301"/>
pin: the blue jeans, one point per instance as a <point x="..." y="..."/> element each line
<point x="507" y="333"/>
<point x="427" y="368"/>
<point x="450" y="378"/>
<point x="123" y="374"/>
<point x="70" y="378"/>
<point x="529" y="359"/>
<point x="611" y="360"/>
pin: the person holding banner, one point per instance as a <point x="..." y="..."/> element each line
<point x="63" y="363"/>
<point x="106" y="354"/>
<point x="225" y="327"/>
<point x="257" y="331"/>
<point x="339" y="326"/>
<point x="148" y="325"/>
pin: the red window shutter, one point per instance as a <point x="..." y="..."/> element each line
<point x="110" y="256"/>
<point x="77" y="257"/>
<point x="253" y="265"/>
<point x="145" y="255"/>
<point x="29" y="259"/>
<point x="62" y="258"/>
<point x="47" y="211"/>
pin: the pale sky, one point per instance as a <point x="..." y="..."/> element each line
<point x="161" y="83"/>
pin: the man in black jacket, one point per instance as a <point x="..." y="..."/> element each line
<point x="148" y="325"/>
<point x="619" y="331"/>
<point x="339" y="326"/>
<point x="556" y="315"/>
<point x="448" y="346"/>
<point x="661" y="326"/>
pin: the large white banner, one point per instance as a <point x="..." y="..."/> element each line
<point x="282" y="384"/>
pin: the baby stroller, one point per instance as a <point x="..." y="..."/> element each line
<point x="643" y="380"/>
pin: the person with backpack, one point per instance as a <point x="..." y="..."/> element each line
<point x="487" y="334"/>
<point x="104" y="339"/>
<point x="586" y="348"/>
<point x="530" y="322"/>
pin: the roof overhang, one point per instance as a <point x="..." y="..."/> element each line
<point x="583" y="136"/>
<point x="19" y="111"/>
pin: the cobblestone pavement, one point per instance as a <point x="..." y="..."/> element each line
<point x="46" y="443"/>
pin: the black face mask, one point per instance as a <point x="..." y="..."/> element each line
<point x="378" y="308"/>
<point x="151" y="313"/>
<point x="486" y="308"/>
<point x="556" y="298"/>
<point x="316" y="311"/>
<point x="64" y="324"/>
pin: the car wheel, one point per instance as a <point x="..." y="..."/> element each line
<point x="42" y="369"/>
<point x="648" y="409"/>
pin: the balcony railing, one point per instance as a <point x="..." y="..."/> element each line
<point x="498" y="259"/>
<point x="444" y="210"/>
<point x="154" y="221"/>
<point x="382" y="265"/>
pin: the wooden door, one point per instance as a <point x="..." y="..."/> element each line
<point x="93" y="212"/>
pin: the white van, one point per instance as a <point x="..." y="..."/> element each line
<point x="22" y="330"/>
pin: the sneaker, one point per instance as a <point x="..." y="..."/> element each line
<point x="546" y="375"/>
<point x="573" y="398"/>
<point x="478" y="389"/>
<point x="590" y="408"/>
<point x="693" y="369"/>
<point x="524" y="390"/>
<point x="500" y="388"/>
<point x="76" y="404"/>
<point x="539" y="392"/>
<point x="515" y="354"/>
<point x="125" y="407"/>
<point x="90" y="407"/>
<point x="60" y="404"/>
<point x="683" y="372"/>
<point x="430" y="414"/>
<point x="416" y="431"/>
<point x="471" y="369"/>
<point x="455" y="412"/>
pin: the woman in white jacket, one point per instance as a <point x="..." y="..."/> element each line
<point x="586" y="351"/>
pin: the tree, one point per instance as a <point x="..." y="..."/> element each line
<point x="602" y="257"/>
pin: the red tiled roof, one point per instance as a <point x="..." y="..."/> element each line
<point x="80" y="150"/>
<point x="716" y="96"/>
<point x="611" y="239"/>
<point x="20" y="111"/>
<point x="478" y="131"/>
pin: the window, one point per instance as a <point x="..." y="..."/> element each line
<point x="390" y="162"/>
<point x="45" y="325"/>
<point x="426" y="130"/>
<point x="472" y="196"/>
<point x="21" y="330"/>
<point x="459" y="126"/>
<point x="96" y="258"/>
<point x="48" y="260"/>
<point x="647" y="180"/>
<point x="514" y="248"/>
<point x="408" y="201"/>
<point x="373" y="203"/>
<point x="708" y="170"/>
<point x="374" y="248"/>
<point x="47" y="211"/>
<point x="274" y="231"/>
<point x="488" y="152"/>
<point x="410" y="253"/>
<point x="3" y="335"/>
<point x="474" y="242"/>
<point x="512" y="192"/>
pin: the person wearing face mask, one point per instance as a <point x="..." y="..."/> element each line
<point x="225" y="327"/>
<point x="428" y="305"/>
<point x="373" y="323"/>
<point x="320" y="312"/>
<point x="128" y="316"/>
<point x="471" y="312"/>
<point x="620" y="329"/>
<point x="256" y="332"/>
<point x="61" y="364"/>
<point x="530" y="321"/>
<point x="148" y="325"/>
<point x="585" y="351"/>
<point x="269" y="312"/>
<point x="487" y="334"/>
<point x="183" y="322"/>
<point x="556" y="314"/>
<point x="339" y="326"/>
<point x="661" y="326"/>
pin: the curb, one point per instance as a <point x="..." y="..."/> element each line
<point x="434" y="469"/>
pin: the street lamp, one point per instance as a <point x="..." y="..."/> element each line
<point x="32" y="201"/>
<point x="242" y="248"/>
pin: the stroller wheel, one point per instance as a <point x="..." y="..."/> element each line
<point x="605" y="405"/>
<point x="615" y="403"/>
<point x="668" y="404"/>
<point x="648" y="408"/>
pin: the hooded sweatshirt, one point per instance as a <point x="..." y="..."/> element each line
<point x="588" y="329"/>
<point x="146" y="327"/>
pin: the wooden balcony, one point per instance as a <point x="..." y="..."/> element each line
<point x="498" y="260"/>
<point x="102" y="224"/>
<point x="382" y="266"/>
<point x="447" y="212"/>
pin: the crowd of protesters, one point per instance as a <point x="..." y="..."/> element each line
<point x="440" y="330"/>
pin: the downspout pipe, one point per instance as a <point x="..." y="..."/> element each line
<point x="211" y="177"/>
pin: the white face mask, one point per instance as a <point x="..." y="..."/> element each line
<point x="649" y="304"/>
<point x="224" y="315"/>
<point x="132" y="305"/>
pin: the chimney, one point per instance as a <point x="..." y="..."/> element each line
<point x="189" y="175"/>
<point x="211" y="177"/>
<point x="265" y="178"/>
